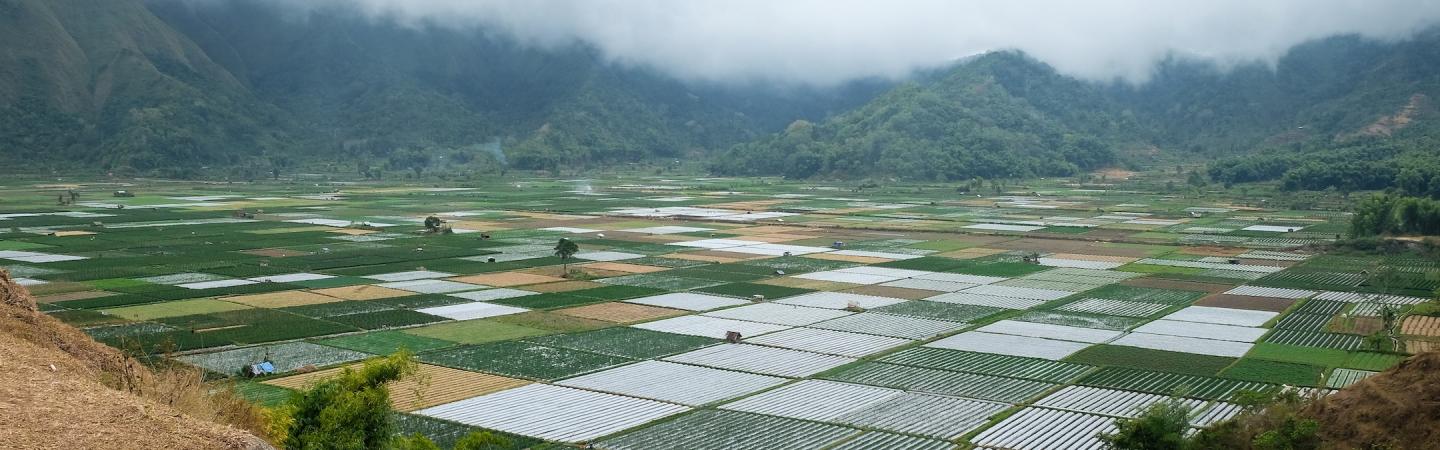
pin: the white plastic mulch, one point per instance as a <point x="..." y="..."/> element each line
<point x="554" y="413"/>
<point x="1002" y="227"/>
<point x="870" y="254"/>
<point x="410" y="275"/>
<point x="964" y="298"/>
<point x="779" y="314"/>
<point x="671" y="382"/>
<point x="1114" y="307"/>
<point x="829" y="342"/>
<point x="1203" y="330"/>
<point x="843" y="277"/>
<point x="216" y="284"/>
<point x="689" y="301"/>
<point x="492" y="294"/>
<point x="1079" y="263"/>
<point x="476" y="310"/>
<point x="1050" y="331"/>
<point x="891" y="325"/>
<point x="713" y="327"/>
<point x="1019" y="292"/>
<point x="839" y="300"/>
<point x="929" y="285"/>
<point x="762" y="360"/>
<point x="608" y="256"/>
<point x="1047" y="429"/>
<point x="960" y="278"/>
<point x="183" y="278"/>
<point x="291" y="278"/>
<point x="1005" y="344"/>
<point x="1184" y="344"/>
<point x="1223" y="316"/>
<point x="1273" y="228"/>
<point x="432" y="286"/>
<point x="1261" y="291"/>
<point x="668" y="229"/>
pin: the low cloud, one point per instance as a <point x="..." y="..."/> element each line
<point x="828" y="41"/>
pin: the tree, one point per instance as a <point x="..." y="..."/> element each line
<point x="1161" y="426"/>
<point x="432" y="223"/>
<point x="482" y="440"/>
<point x="566" y="249"/>
<point x="348" y="411"/>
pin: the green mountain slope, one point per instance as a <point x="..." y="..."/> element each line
<point x="104" y="82"/>
<point x="1324" y="105"/>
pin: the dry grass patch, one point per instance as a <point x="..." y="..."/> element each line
<point x="81" y="295"/>
<point x="620" y="312"/>
<point x="972" y="253"/>
<point x="479" y="225"/>
<point x="714" y="256"/>
<point x="1212" y="251"/>
<point x="430" y="386"/>
<point x="564" y="286"/>
<point x="802" y="283"/>
<point x="624" y="267"/>
<point x="362" y="292"/>
<point x="72" y="233"/>
<point x="350" y="231"/>
<point x="1100" y="258"/>
<point x="848" y="258"/>
<point x="506" y="279"/>
<point x="894" y="292"/>
<point x="1161" y="283"/>
<point x="559" y="271"/>
<point x="1421" y="326"/>
<point x="275" y="252"/>
<point x="1246" y="302"/>
<point x="282" y="299"/>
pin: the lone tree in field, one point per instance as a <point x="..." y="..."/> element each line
<point x="432" y="224"/>
<point x="566" y="249"/>
<point x="349" y="411"/>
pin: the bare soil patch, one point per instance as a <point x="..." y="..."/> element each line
<point x="973" y="252"/>
<point x="848" y="258"/>
<point x="1428" y="326"/>
<point x="802" y="283"/>
<point x="624" y="267"/>
<point x="282" y="299"/>
<point x="893" y="292"/>
<point x="1068" y="246"/>
<point x="506" y="279"/>
<point x="81" y="295"/>
<point x="1161" y="283"/>
<point x="1246" y="302"/>
<point x="430" y="386"/>
<point x="1212" y="251"/>
<point x="620" y="312"/>
<point x="564" y="286"/>
<point x="361" y="292"/>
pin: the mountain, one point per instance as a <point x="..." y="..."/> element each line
<point x="104" y="81"/>
<point x="1322" y="107"/>
<point x="1001" y="115"/>
<point x="247" y="87"/>
<point x="172" y="84"/>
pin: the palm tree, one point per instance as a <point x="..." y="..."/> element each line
<point x="566" y="249"/>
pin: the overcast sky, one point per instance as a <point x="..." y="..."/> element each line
<point x="827" y="41"/>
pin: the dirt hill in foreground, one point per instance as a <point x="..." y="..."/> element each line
<point x="59" y="389"/>
<point x="1398" y="408"/>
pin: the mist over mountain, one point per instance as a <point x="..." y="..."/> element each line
<point x="167" y="86"/>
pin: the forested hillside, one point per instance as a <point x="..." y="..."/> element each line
<point x="169" y="85"/>
<point x="241" y="86"/>
<point x="1342" y="112"/>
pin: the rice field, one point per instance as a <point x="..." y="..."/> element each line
<point x="898" y="318"/>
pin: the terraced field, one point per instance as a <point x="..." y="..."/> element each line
<point x="909" y="319"/>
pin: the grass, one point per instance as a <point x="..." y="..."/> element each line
<point x="174" y="309"/>
<point x="549" y="321"/>
<point x="1296" y="354"/>
<point x="628" y="342"/>
<point x="263" y="394"/>
<point x="523" y="360"/>
<point x="1274" y="372"/>
<point x="1372" y="361"/>
<point x="1155" y="360"/>
<point x="746" y="290"/>
<point x="386" y="319"/>
<point x="385" y="342"/>
<point x="548" y="301"/>
<point x="1000" y="269"/>
<point x="475" y="331"/>
<point x="445" y="433"/>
